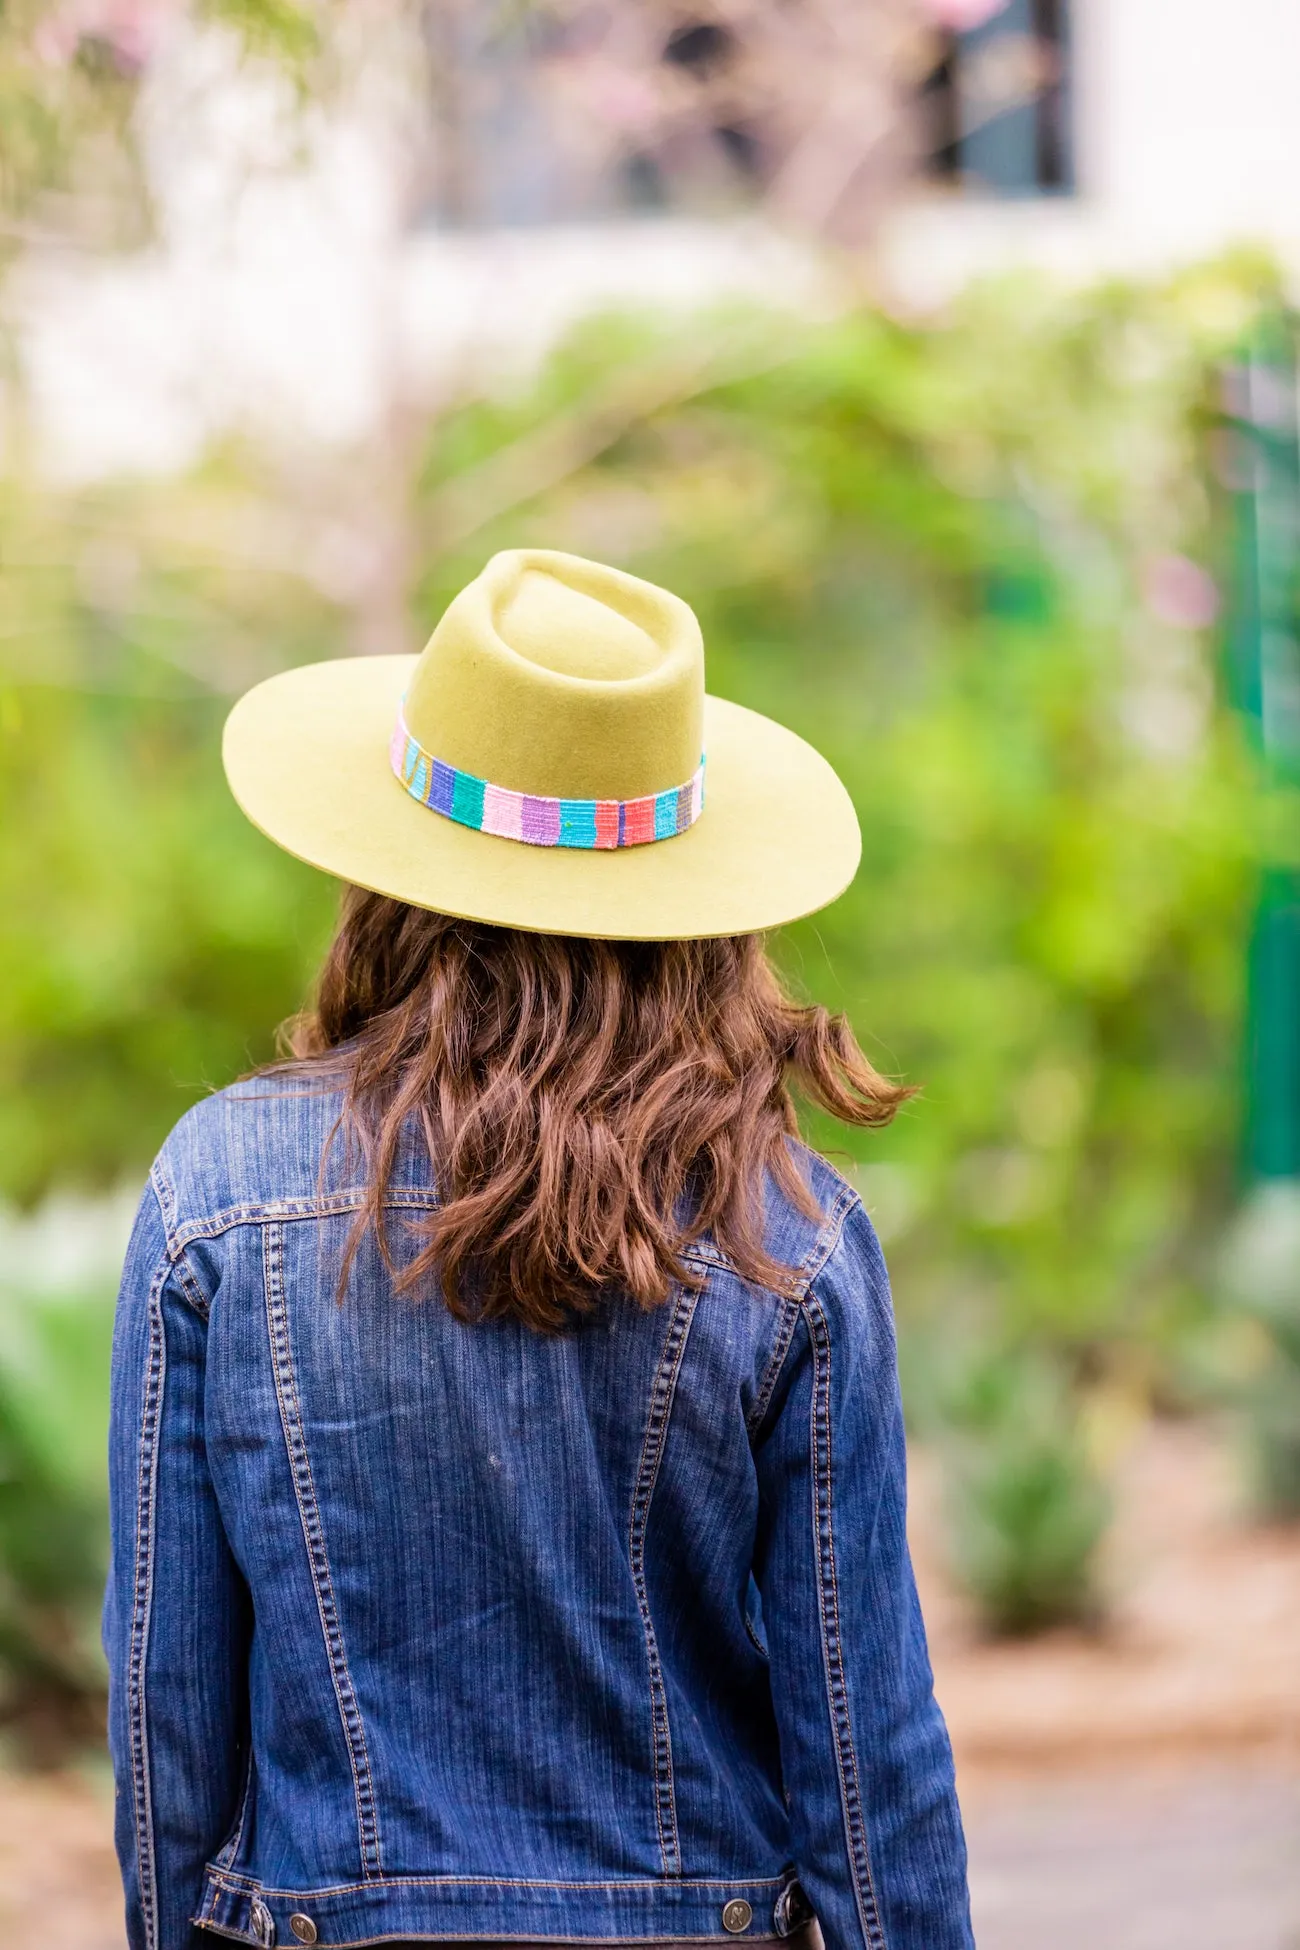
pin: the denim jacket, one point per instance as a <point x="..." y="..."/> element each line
<point x="419" y="1629"/>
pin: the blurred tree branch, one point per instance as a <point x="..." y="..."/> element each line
<point x="69" y="78"/>
<point x="570" y="440"/>
<point x="802" y="109"/>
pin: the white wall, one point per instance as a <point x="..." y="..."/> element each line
<point x="1189" y="119"/>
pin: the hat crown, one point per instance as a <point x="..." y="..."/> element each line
<point x="555" y="676"/>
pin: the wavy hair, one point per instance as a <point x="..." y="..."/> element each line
<point x="590" y="1108"/>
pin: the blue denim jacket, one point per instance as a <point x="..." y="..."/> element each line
<point x="419" y="1629"/>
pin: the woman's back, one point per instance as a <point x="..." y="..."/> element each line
<point x="529" y="1652"/>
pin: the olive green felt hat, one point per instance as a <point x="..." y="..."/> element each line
<point x="550" y="761"/>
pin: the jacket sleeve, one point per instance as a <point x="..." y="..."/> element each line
<point x="176" y="1609"/>
<point x="876" y="1832"/>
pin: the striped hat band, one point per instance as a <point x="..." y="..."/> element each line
<point x="603" y="823"/>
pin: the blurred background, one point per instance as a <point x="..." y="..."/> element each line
<point x="940" y="352"/>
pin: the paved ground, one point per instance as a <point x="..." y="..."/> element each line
<point x="1204" y="1856"/>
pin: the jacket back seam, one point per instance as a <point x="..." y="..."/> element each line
<point x="321" y="1205"/>
<point x="846" y="1760"/>
<point x="260" y="1212"/>
<point x="228" y="1855"/>
<point x="307" y="1206"/>
<point x="142" y="1604"/>
<point x="652" y="1448"/>
<point x="787" y="1320"/>
<point x="239" y="1885"/>
<point x="286" y="1389"/>
<point x="188" y="1286"/>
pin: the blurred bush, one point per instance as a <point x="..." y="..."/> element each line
<point x="56" y="1320"/>
<point x="150" y="940"/>
<point x="1025" y="1509"/>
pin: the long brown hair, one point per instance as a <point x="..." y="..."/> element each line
<point x="590" y="1107"/>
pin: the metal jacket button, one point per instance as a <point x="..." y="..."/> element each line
<point x="737" y="1915"/>
<point x="792" y="1909"/>
<point x="262" y="1922"/>
<point x="303" y="1928"/>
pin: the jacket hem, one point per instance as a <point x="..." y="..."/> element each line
<point x="398" y="1908"/>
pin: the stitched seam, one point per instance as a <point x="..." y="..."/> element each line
<point x="828" y="1604"/>
<point x="142" y="1604"/>
<point x="230" y="1852"/>
<point x="757" y="1642"/>
<point x="800" y="1276"/>
<point x="652" y="1448"/>
<point x="257" y="1212"/>
<point x="776" y="1361"/>
<point x="416" y="1198"/>
<point x="827" y="1239"/>
<point x="190" y="1290"/>
<point x="237" y="1933"/>
<point x="238" y="1885"/>
<point x="286" y="1388"/>
<point x="165" y="1193"/>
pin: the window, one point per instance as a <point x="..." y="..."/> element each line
<point x="996" y="107"/>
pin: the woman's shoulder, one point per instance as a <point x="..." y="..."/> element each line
<point x="837" y="1258"/>
<point x="252" y="1150"/>
<point x="802" y="1232"/>
<point x="823" y="1235"/>
<point x="851" y="1270"/>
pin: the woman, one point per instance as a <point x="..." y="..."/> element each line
<point x="507" y="1463"/>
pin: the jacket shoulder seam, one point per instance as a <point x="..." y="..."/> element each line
<point x="165" y="1192"/>
<point x="824" y="1245"/>
<point x="800" y="1277"/>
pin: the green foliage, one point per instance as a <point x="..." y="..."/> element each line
<point x="151" y="940"/>
<point x="930" y="549"/>
<point x="278" y="29"/>
<point x="53" y="1413"/>
<point x="1025" y="1509"/>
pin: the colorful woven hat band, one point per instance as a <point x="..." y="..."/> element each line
<point x="541" y="822"/>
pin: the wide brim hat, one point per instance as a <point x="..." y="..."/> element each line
<point x="550" y="761"/>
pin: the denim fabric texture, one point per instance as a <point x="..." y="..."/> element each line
<point x="419" y="1629"/>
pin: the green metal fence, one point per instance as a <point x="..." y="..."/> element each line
<point x="1262" y="468"/>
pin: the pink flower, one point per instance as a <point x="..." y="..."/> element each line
<point x="960" y="16"/>
<point x="124" y="31"/>
<point x="1179" y="591"/>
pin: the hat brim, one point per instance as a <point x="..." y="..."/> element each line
<point x="306" y="754"/>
